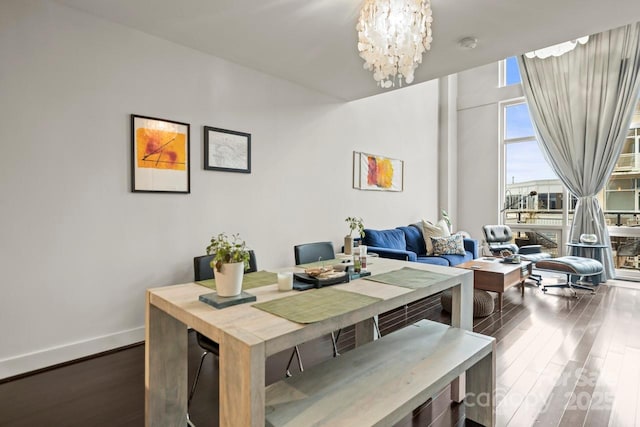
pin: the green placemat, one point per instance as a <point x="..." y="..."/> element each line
<point x="322" y="263"/>
<point x="408" y="277"/>
<point x="316" y="305"/>
<point x="249" y="281"/>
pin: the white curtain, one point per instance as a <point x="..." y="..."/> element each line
<point x="581" y="104"/>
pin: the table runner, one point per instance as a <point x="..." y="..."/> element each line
<point x="249" y="280"/>
<point x="408" y="277"/>
<point x="316" y="305"/>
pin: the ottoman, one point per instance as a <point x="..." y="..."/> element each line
<point x="572" y="266"/>
<point x="483" y="304"/>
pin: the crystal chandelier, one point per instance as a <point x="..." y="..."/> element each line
<point x="392" y="35"/>
<point x="557" y="49"/>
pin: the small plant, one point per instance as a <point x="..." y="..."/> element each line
<point x="446" y="218"/>
<point x="227" y="250"/>
<point x="355" y="223"/>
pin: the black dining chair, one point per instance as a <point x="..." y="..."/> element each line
<point x="202" y="271"/>
<point x="312" y="252"/>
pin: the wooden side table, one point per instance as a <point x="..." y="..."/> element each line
<point x="497" y="276"/>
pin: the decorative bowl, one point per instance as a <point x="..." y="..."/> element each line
<point x="588" y="239"/>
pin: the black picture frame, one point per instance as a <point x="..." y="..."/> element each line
<point x="227" y="150"/>
<point x="160" y="155"/>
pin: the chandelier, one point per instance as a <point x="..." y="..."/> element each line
<point x="557" y="49"/>
<point x="392" y="35"/>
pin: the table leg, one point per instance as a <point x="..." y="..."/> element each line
<point x="522" y="287"/>
<point x="480" y="400"/>
<point x="242" y="386"/>
<point x="461" y="317"/>
<point x="165" y="373"/>
<point x="364" y="332"/>
<point x="499" y="301"/>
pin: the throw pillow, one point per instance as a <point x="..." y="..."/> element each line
<point x="445" y="227"/>
<point x="430" y="230"/>
<point x="451" y="245"/>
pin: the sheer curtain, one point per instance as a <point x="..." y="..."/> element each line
<point x="581" y="104"/>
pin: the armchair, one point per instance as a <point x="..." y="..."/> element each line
<point x="500" y="238"/>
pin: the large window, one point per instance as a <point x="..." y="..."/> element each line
<point x="534" y="196"/>
<point x="534" y="200"/>
<point x="526" y="170"/>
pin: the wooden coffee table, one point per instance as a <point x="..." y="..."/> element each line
<point x="496" y="276"/>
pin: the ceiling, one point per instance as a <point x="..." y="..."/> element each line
<point x="313" y="42"/>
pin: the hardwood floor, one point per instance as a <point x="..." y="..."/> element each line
<point x="560" y="361"/>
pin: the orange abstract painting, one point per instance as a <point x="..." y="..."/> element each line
<point x="160" y="155"/>
<point x="380" y="172"/>
<point x="159" y="149"/>
<point x="373" y="172"/>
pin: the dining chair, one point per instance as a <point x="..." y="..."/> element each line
<point x="202" y="271"/>
<point x="306" y="253"/>
<point x="312" y="252"/>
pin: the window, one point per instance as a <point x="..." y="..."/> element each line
<point x="535" y="198"/>
<point x="526" y="172"/>
<point x="511" y="72"/>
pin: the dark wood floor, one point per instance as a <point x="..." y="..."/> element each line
<point x="560" y="361"/>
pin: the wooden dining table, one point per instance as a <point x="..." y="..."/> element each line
<point x="248" y="335"/>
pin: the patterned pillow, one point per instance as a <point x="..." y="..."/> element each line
<point x="452" y="245"/>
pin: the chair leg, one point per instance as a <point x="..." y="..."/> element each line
<point x="573" y="286"/>
<point x="337" y="337"/>
<point x="195" y="381"/>
<point x="335" y="344"/>
<point x="295" y="352"/>
<point x="536" y="278"/>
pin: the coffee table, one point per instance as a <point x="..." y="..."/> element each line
<point x="495" y="276"/>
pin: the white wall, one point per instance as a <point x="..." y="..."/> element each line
<point x="78" y="249"/>
<point x="480" y="190"/>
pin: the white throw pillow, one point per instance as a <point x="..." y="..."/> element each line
<point x="430" y="230"/>
<point x="445" y="227"/>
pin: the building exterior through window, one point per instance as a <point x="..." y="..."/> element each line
<point x="535" y="199"/>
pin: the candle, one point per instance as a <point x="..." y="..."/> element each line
<point x="285" y="281"/>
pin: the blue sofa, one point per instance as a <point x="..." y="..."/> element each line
<point x="407" y="243"/>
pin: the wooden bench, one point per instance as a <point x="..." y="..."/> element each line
<point x="379" y="383"/>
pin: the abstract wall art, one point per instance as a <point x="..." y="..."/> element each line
<point x="160" y="155"/>
<point x="227" y="150"/>
<point x="373" y="172"/>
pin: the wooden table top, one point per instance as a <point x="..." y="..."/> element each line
<point x="493" y="266"/>
<point x="251" y="324"/>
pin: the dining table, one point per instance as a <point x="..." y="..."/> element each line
<point x="248" y="333"/>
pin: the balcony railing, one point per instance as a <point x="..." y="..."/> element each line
<point x="628" y="163"/>
<point x="624" y="230"/>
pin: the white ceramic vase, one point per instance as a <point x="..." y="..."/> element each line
<point x="229" y="279"/>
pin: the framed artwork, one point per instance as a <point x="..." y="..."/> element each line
<point x="379" y="173"/>
<point x="160" y="155"/>
<point x="227" y="150"/>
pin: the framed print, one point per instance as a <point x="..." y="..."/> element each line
<point x="227" y="150"/>
<point x="160" y="155"/>
<point x="373" y="172"/>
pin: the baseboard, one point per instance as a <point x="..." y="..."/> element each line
<point x="28" y="362"/>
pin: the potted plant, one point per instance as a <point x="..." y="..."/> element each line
<point x="355" y="224"/>
<point x="445" y="217"/>
<point x="230" y="260"/>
